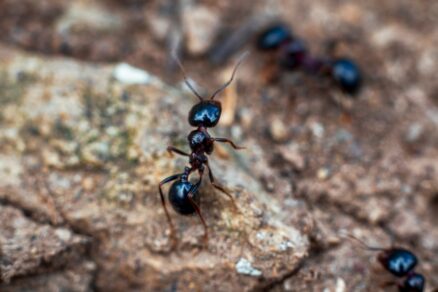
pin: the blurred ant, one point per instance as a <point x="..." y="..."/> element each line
<point x="183" y="195"/>
<point x="401" y="263"/>
<point x="292" y="54"/>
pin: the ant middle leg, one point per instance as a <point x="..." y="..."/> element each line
<point x="214" y="184"/>
<point x="225" y="140"/>
<point x="171" y="149"/>
<point x="163" y="202"/>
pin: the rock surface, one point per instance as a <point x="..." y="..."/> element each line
<point x="93" y="155"/>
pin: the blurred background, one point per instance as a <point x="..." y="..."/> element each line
<point x="329" y="161"/>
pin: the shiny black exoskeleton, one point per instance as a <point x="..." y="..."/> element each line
<point x="205" y="114"/>
<point x="398" y="261"/>
<point x="413" y="283"/>
<point x="183" y="195"/>
<point x="401" y="263"/>
<point x="179" y="194"/>
<point x="292" y="55"/>
<point x="201" y="141"/>
<point x="273" y="37"/>
<point x="347" y="74"/>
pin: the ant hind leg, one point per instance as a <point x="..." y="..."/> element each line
<point x="163" y="202"/>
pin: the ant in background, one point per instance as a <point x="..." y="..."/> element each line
<point x="183" y="195"/>
<point x="401" y="263"/>
<point x="292" y="54"/>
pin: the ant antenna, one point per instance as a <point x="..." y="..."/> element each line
<point x="241" y="58"/>
<point x="362" y="243"/>
<point x="186" y="80"/>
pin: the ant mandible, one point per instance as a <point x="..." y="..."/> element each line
<point x="183" y="195"/>
<point x="401" y="263"/>
<point x="292" y="54"/>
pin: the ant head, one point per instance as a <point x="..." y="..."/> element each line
<point x="273" y="37"/>
<point x="205" y="113"/>
<point x="413" y="283"/>
<point x="398" y="261"/>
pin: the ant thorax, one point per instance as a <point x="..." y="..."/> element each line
<point x="200" y="141"/>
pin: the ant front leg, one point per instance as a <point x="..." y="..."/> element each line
<point x="192" y="192"/>
<point x="225" y="140"/>
<point x="171" y="149"/>
<point x="163" y="202"/>
<point x="213" y="183"/>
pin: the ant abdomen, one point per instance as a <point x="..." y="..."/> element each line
<point x="347" y="74"/>
<point x="179" y="197"/>
<point x="206" y="113"/>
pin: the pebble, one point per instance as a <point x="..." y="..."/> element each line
<point x="243" y="266"/>
<point x="63" y="234"/>
<point x="278" y="130"/>
<point x="128" y="74"/>
<point x="323" y="173"/>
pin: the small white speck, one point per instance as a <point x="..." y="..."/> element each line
<point x="63" y="234"/>
<point x="243" y="266"/>
<point x="261" y="235"/>
<point x="128" y="74"/>
<point x="317" y="130"/>
<point x="285" y="245"/>
<point x="340" y="285"/>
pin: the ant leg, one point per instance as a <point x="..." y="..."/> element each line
<point x="198" y="211"/>
<point x="171" y="149"/>
<point x="225" y="140"/>
<point x="163" y="202"/>
<point x="196" y="207"/>
<point x="213" y="183"/>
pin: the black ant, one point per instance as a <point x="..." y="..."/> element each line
<point x="183" y="195"/>
<point x="292" y="54"/>
<point x="401" y="263"/>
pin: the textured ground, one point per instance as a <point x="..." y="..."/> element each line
<point x="82" y="151"/>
